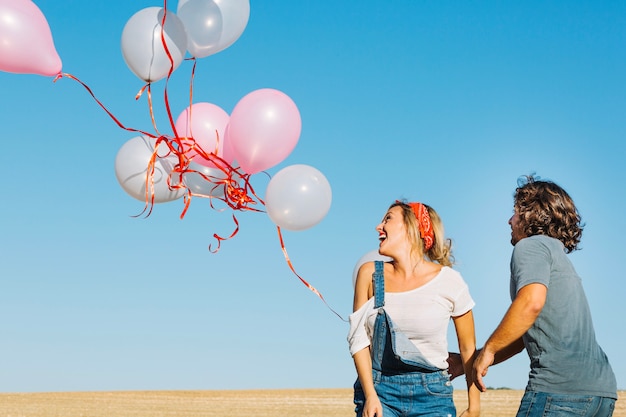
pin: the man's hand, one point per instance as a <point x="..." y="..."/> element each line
<point x="481" y="365"/>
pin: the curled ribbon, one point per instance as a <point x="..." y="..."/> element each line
<point x="309" y="286"/>
<point x="238" y="195"/>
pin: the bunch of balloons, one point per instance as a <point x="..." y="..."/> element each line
<point x="210" y="154"/>
<point x="213" y="154"/>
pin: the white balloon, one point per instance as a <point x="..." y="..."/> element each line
<point x="212" y="25"/>
<point x="199" y="185"/>
<point x="142" y="44"/>
<point x="370" y="256"/>
<point x="131" y="170"/>
<point x="298" y="197"/>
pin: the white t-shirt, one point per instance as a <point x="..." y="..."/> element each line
<point x="422" y="314"/>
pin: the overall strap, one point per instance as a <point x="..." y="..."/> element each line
<point x="379" y="285"/>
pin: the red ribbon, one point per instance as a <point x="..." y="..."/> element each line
<point x="309" y="286"/>
<point x="239" y="194"/>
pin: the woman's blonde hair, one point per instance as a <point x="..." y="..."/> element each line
<point x="441" y="250"/>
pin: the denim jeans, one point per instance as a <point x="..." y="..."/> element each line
<point x="542" y="404"/>
<point x="411" y="394"/>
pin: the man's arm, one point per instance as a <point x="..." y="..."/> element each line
<point x="506" y="339"/>
<point x="509" y="351"/>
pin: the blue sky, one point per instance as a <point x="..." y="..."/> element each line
<point x="445" y="102"/>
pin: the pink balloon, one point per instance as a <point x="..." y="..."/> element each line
<point x="26" y="45"/>
<point x="264" y="128"/>
<point x="229" y="154"/>
<point x="206" y="124"/>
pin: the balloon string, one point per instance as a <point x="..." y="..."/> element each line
<point x="169" y="74"/>
<point x="130" y="129"/>
<point x="191" y="79"/>
<point x="149" y="205"/>
<point x="147" y="87"/>
<point x="220" y="239"/>
<point x="149" y="185"/>
<point x="151" y="109"/>
<point x="309" y="286"/>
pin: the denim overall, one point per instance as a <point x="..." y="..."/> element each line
<point x="407" y="384"/>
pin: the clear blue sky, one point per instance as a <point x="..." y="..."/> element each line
<point x="447" y="102"/>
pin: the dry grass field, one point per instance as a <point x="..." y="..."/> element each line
<point x="258" y="403"/>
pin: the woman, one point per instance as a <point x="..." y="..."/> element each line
<point x="402" y="309"/>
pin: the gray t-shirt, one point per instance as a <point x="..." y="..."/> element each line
<point x="565" y="357"/>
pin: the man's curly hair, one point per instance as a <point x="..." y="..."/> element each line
<point x="545" y="208"/>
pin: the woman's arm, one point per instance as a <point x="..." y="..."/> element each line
<point x="466" y="336"/>
<point x="363" y="288"/>
<point x="363" y="291"/>
<point x="363" y="364"/>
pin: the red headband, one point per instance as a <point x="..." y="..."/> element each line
<point x="425" y="225"/>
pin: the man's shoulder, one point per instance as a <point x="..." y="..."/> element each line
<point x="538" y="241"/>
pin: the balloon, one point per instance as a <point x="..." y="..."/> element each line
<point x="26" y="45"/>
<point x="205" y="122"/>
<point x="199" y="185"/>
<point x="131" y="169"/>
<point x="298" y="197"/>
<point x="264" y="128"/>
<point x="229" y="154"/>
<point x="142" y="44"/>
<point x="212" y="25"/>
<point x="370" y="256"/>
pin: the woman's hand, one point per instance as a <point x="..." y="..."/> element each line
<point x="468" y="413"/>
<point x="455" y="365"/>
<point x="372" y="407"/>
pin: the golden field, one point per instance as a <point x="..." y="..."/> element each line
<point x="258" y="403"/>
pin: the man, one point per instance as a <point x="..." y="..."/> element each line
<point x="549" y="315"/>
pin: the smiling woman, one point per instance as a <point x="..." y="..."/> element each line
<point x="402" y="309"/>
